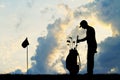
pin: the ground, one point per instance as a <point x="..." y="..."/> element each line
<point x="60" y="77"/>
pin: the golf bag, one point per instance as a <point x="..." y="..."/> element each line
<point x="73" y="61"/>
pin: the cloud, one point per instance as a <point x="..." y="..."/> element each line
<point x="45" y="10"/>
<point x="85" y="11"/>
<point x="51" y="51"/>
<point x="109" y="55"/>
<point x="18" y="24"/>
<point x="2" y="6"/>
<point x="18" y="71"/>
<point x="46" y="45"/>
<point x="109" y="12"/>
<point x="90" y="1"/>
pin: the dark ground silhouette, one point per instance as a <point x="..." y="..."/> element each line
<point x="60" y="77"/>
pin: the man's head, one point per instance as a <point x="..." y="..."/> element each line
<point x="84" y="24"/>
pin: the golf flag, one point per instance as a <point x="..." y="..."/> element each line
<point x="25" y="43"/>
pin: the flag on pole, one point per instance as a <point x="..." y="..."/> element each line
<point x="25" y="43"/>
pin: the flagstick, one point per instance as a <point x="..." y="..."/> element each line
<point x="27" y="59"/>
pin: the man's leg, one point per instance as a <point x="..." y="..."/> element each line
<point x="90" y="63"/>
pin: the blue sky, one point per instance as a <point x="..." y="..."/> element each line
<point x="47" y="24"/>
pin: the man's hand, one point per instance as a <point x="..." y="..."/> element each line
<point x="78" y="41"/>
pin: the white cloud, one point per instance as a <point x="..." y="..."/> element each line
<point x="2" y="6"/>
<point x="90" y="1"/>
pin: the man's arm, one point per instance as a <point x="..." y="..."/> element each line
<point x="81" y="40"/>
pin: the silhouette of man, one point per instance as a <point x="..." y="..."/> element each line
<point x="92" y="45"/>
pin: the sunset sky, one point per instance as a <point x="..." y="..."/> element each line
<point x="48" y="24"/>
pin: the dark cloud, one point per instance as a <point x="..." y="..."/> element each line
<point x="85" y="10"/>
<point x="109" y="11"/>
<point x="46" y="45"/>
<point x="18" y="71"/>
<point x="109" y="55"/>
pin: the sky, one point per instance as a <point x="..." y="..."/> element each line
<point x="47" y="25"/>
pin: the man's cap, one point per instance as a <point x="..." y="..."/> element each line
<point x="83" y="22"/>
